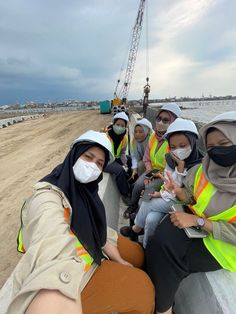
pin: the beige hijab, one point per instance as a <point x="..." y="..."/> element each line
<point x="223" y="178"/>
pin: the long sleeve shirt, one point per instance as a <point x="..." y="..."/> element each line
<point x="222" y="230"/>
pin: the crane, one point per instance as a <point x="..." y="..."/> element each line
<point x="121" y="100"/>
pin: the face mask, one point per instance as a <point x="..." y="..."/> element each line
<point x="118" y="129"/>
<point x="161" y="127"/>
<point x="224" y="156"/>
<point x="85" y="171"/>
<point x="182" y="153"/>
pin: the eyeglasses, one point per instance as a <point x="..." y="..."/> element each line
<point x="164" y="120"/>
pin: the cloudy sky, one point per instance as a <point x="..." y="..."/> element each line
<point x="74" y="49"/>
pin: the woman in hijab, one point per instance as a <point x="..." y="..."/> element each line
<point x="154" y="156"/>
<point x="116" y="133"/>
<point x="142" y="132"/>
<point x="64" y="238"/>
<point x="210" y="191"/>
<point x="183" y="154"/>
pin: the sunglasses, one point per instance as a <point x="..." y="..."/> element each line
<point x="164" y="120"/>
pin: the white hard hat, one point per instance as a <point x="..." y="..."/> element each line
<point x="226" y="116"/>
<point x="96" y="137"/>
<point x="229" y="116"/>
<point x="182" y="125"/>
<point x="121" y="115"/>
<point x="172" y="107"/>
<point x="145" y="122"/>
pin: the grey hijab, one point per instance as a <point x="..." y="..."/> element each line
<point x="140" y="147"/>
<point x="223" y="178"/>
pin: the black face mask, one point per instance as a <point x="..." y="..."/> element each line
<point x="224" y="156"/>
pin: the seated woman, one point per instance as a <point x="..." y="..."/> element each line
<point x="154" y="156"/>
<point x="64" y="239"/>
<point x="116" y="133"/>
<point x="183" y="154"/>
<point x="210" y="188"/>
<point x="142" y="132"/>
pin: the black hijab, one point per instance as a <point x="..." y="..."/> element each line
<point x="194" y="158"/>
<point x="115" y="137"/>
<point x="88" y="213"/>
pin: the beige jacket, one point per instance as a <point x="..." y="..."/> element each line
<point x="50" y="261"/>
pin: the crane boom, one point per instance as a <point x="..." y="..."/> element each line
<point x="133" y="51"/>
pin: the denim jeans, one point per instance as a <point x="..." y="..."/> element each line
<point x="150" y="214"/>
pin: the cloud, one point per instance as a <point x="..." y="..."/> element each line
<point x="189" y="46"/>
<point x="220" y="76"/>
<point x="182" y="15"/>
<point x="52" y="49"/>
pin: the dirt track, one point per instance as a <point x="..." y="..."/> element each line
<point x="28" y="151"/>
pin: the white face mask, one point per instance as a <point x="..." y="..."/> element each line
<point x="118" y="129"/>
<point x="182" y="153"/>
<point x="85" y="171"/>
<point x="161" y="127"/>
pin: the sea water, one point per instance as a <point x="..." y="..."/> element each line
<point x="205" y="110"/>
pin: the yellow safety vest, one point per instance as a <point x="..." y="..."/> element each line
<point x="80" y="250"/>
<point x="157" y="157"/>
<point x="223" y="252"/>
<point x="122" y="145"/>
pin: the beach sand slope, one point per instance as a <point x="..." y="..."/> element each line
<point x="28" y="151"/>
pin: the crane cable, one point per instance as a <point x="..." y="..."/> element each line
<point x="147" y="44"/>
<point x="121" y="74"/>
<point x="146" y="88"/>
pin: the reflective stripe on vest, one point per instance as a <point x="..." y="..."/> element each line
<point x="132" y="145"/>
<point x="122" y="145"/>
<point x="158" y="160"/>
<point x="20" y="247"/>
<point x="80" y="250"/>
<point x="224" y="253"/>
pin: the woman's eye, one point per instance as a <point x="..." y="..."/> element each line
<point x="224" y="143"/>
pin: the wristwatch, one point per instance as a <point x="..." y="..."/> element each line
<point x="200" y="222"/>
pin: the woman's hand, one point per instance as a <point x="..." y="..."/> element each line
<point x="114" y="254"/>
<point x="183" y="220"/>
<point x="134" y="173"/>
<point x="170" y="184"/>
<point x="155" y="194"/>
<point x="180" y="163"/>
<point x="171" y="187"/>
<point x="124" y="262"/>
<point x="156" y="175"/>
<point x="146" y="182"/>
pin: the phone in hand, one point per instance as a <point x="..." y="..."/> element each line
<point x="155" y="170"/>
<point x="149" y="175"/>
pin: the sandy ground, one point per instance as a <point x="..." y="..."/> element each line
<point x="28" y="151"/>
